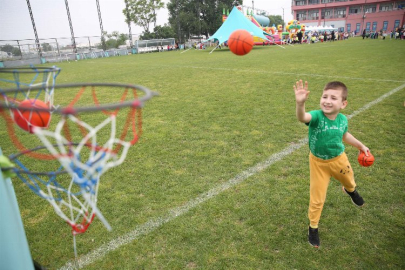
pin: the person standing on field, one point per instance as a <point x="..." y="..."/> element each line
<point x="328" y="129"/>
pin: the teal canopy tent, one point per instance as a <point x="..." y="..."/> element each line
<point x="235" y="21"/>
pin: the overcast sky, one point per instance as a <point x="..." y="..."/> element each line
<point x="51" y="17"/>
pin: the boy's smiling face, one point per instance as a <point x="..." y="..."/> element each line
<point x="332" y="102"/>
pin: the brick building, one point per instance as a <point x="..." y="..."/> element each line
<point x="351" y="15"/>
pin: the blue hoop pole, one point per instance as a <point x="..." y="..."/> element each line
<point x="14" y="249"/>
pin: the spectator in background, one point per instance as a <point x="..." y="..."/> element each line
<point x="309" y="37"/>
<point x="299" y="36"/>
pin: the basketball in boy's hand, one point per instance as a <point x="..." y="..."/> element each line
<point x="364" y="160"/>
<point x="240" y="42"/>
<point x="28" y="118"/>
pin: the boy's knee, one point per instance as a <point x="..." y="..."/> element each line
<point x="316" y="206"/>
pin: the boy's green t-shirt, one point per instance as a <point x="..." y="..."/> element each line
<point x="325" y="135"/>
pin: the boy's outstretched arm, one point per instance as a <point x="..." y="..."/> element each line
<point x="301" y="95"/>
<point x="350" y="139"/>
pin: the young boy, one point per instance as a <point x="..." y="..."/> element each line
<point x="327" y="132"/>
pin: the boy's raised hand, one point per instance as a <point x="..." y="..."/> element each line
<point x="301" y="91"/>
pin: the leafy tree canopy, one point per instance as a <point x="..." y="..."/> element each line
<point x="142" y="12"/>
<point x="159" y="32"/>
<point x="10" y="49"/>
<point x="276" y="20"/>
<point x="196" y="17"/>
<point x="7" y="48"/>
<point x="114" y="40"/>
<point x="46" y="47"/>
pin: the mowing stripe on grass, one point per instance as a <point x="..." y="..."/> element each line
<point x="283" y="73"/>
<point x="155" y="223"/>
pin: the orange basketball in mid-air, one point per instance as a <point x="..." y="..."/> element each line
<point x="364" y="160"/>
<point x="28" y="118"/>
<point x="240" y="42"/>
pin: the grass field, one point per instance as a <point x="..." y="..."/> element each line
<point x="220" y="179"/>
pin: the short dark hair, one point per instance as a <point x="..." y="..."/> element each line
<point x="336" y="85"/>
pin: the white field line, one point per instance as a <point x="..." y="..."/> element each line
<point x="173" y="213"/>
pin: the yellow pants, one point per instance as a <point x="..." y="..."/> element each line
<point x="320" y="173"/>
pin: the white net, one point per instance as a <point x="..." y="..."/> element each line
<point x="85" y="162"/>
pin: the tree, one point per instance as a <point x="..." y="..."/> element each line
<point x="11" y="50"/>
<point x="159" y="32"/>
<point x="46" y="47"/>
<point x="196" y="17"/>
<point x="16" y="52"/>
<point x="114" y="34"/>
<point x="142" y="12"/>
<point x="7" y="48"/>
<point x="164" y="31"/>
<point x="115" y="39"/>
<point x="122" y="38"/>
<point x="276" y="20"/>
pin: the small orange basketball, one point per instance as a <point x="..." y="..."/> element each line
<point x="364" y="160"/>
<point x="28" y="118"/>
<point x="240" y="42"/>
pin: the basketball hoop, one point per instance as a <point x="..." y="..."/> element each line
<point x="86" y="137"/>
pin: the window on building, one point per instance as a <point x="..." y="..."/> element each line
<point x="357" y="27"/>
<point x="385" y="7"/>
<point x="313" y="15"/>
<point x="301" y="16"/>
<point x="340" y="13"/>
<point x="396" y="24"/>
<point x="349" y="28"/>
<point x="385" y="25"/>
<point x="374" y="26"/>
<point x="354" y="10"/>
<point x="326" y="1"/>
<point x="370" y="9"/>
<point x="340" y="0"/>
<point x="326" y="14"/>
<point x="300" y="3"/>
<point x="400" y="5"/>
<point x="368" y="26"/>
<point x="341" y="29"/>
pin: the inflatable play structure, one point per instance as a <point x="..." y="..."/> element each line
<point x="263" y="23"/>
<point x="274" y="35"/>
<point x="293" y="27"/>
<point x="263" y="35"/>
<point x="235" y="21"/>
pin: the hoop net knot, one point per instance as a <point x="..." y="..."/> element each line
<point x="82" y="227"/>
<point x="136" y="104"/>
<point x="69" y="111"/>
